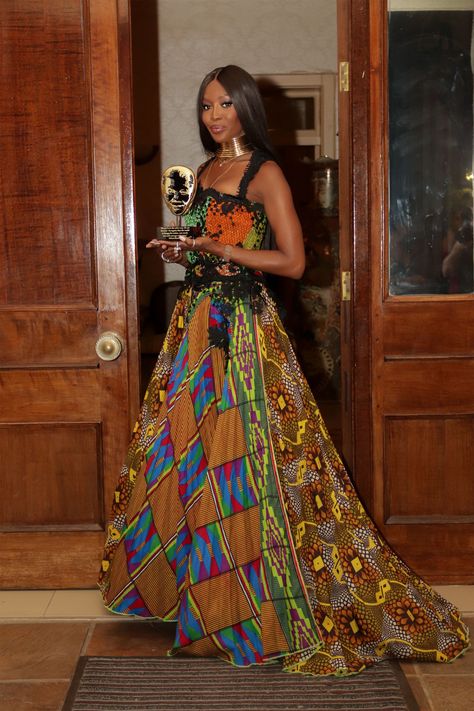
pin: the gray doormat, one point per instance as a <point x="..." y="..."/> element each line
<point x="196" y="684"/>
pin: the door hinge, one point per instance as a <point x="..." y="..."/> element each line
<point x="345" y="286"/>
<point x="343" y="76"/>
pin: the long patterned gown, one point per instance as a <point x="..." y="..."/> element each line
<point x="234" y="516"/>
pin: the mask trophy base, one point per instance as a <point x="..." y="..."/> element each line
<point x="174" y="232"/>
<point x="178" y="188"/>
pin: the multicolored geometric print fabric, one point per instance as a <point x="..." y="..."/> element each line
<point x="234" y="516"/>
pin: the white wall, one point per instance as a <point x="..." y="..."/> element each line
<point x="262" y="36"/>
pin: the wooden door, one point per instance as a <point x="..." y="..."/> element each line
<point x="67" y="276"/>
<point x="413" y="366"/>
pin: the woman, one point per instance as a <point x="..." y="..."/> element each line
<point x="234" y="515"/>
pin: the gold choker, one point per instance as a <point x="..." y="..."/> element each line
<point x="235" y="148"/>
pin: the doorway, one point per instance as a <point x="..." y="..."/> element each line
<point x="166" y="133"/>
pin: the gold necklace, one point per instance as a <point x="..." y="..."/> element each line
<point x="228" y="151"/>
<point x="230" y="163"/>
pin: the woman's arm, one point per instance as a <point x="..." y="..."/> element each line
<point x="270" y="188"/>
<point x="453" y="262"/>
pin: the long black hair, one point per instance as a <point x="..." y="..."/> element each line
<point x="243" y="90"/>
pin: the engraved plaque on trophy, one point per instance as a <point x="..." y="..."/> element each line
<point x="178" y="187"/>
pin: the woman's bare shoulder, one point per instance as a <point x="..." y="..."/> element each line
<point x="270" y="169"/>
<point x="203" y="166"/>
<point x="269" y="178"/>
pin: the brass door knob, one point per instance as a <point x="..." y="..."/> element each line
<point x="108" y="346"/>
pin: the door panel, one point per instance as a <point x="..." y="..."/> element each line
<point x="431" y="386"/>
<point x="21" y="334"/>
<point x="428" y="497"/>
<point x="409" y="328"/>
<point x="63" y="497"/>
<point x="68" y="259"/>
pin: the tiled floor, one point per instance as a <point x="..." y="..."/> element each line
<point x="43" y="633"/>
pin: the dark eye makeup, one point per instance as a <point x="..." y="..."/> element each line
<point x="225" y="104"/>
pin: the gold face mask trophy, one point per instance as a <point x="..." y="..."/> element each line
<point x="178" y="187"/>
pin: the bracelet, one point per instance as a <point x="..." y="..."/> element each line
<point x="227" y="252"/>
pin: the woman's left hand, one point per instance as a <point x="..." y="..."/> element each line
<point x="175" y="251"/>
<point x="171" y="252"/>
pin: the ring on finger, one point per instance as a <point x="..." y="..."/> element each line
<point x="163" y="256"/>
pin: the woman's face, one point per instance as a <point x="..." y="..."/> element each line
<point x="218" y="113"/>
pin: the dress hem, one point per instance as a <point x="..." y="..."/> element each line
<point x="175" y="651"/>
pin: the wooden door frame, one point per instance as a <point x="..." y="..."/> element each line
<point x="128" y="191"/>
<point x="356" y="202"/>
<point x="378" y="186"/>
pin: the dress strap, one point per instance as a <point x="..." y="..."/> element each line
<point x="256" y="161"/>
